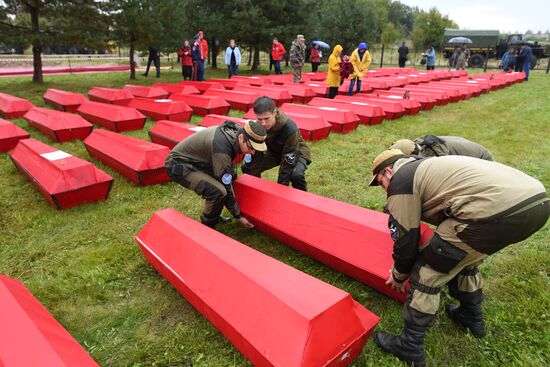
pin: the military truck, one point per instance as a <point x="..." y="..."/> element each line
<point x="490" y="44"/>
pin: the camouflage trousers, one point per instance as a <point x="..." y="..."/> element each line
<point x="288" y="173"/>
<point x="296" y="74"/>
<point x="211" y="190"/>
<point x="453" y="254"/>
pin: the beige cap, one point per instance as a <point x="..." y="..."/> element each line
<point x="405" y="145"/>
<point x="300" y="36"/>
<point x="256" y="134"/>
<point x="383" y="160"/>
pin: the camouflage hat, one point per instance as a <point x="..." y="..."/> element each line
<point x="383" y="160"/>
<point x="300" y="37"/>
<point x="405" y="145"/>
<point x="256" y="134"/>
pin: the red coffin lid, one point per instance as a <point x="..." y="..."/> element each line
<point x="64" y="98"/>
<point x="10" y="130"/>
<point x="203" y="101"/>
<point x="137" y="154"/>
<point x="215" y="120"/>
<point x="110" y="94"/>
<point x="31" y="336"/>
<point x="55" y="120"/>
<point x="9" y="103"/>
<point x="177" y="88"/>
<point x="54" y="169"/>
<point x="175" y="131"/>
<point x="164" y="106"/>
<point x="146" y="92"/>
<point x="110" y="112"/>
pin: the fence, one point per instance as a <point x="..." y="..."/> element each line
<point x="390" y="59"/>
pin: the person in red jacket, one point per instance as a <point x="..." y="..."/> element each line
<point x="184" y="54"/>
<point x="277" y="52"/>
<point x="315" y="58"/>
<point x="204" y="52"/>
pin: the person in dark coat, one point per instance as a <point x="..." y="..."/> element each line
<point x="403" y="52"/>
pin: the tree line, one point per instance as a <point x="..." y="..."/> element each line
<point x="138" y="24"/>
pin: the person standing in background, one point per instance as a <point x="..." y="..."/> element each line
<point x="277" y="53"/>
<point x="232" y="58"/>
<point x="403" y="52"/>
<point x="184" y="53"/>
<point x="333" y="73"/>
<point x="297" y="57"/>
<point x="204" y="53"/>
<point x="315" y="58"/>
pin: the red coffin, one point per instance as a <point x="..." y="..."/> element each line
<point x="139" y="161"/>
<point x="375" y="83"/>
<point x="64" y="180"/>
<point x="112" y="117"/>
<point x="344" y="88"/>
<point x="320" y="90"/>
<point x="427" y="102"/>
<point x="238" y="100"/>
<point x="142" y="91"/>
<point x="353" y="240"/>
<point x="342" y="120"/>
<point x="170" y="133"/>
<point x="12" y="107"/>
<point x="279" y="96"/>
<point x="312" y="127"/>
<point x="392" y="110"/>
<point x="110" y="95"/>
<point x="59" y="126"/>
<point x="227" y="83"/>
<point x="216" y="120"/>
<point x="442" y="98"/>
<point x="454" y="94"/>
<point x="162" y="109"/>
<point x="203" y="105"/>
<point x="272" y="313"/>
<point x="30" y="336"/>
<point x="368" y="114"/>
<point x="411" y="106"/>
<point x="251" y="80"/>
<point x="63" y="100"/>
<point x="201" y="86"/>
<point x="472" y="88"/>
<point x="177" y="88"/>
<point x="300" y="92"/>
<point x="318" y="76"/>
<point x="10" y="134"/>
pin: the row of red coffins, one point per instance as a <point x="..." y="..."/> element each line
<point x="30" y="336"/>
<point x="280" y="316"/>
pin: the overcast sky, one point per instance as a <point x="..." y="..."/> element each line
<point x="504" y="15"/>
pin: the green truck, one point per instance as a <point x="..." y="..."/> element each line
<point x="490" y="44"/>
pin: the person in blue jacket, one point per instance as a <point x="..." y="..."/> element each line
<point x="509" y="60"/>
<point x="232" y="58"/>
<point x="526" y="54"/>
<point x="430" y="58"/>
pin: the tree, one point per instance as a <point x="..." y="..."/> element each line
<point x="429" y="27"/>
<point x="140" y="24"/>
<point x="47" y="22"/>
<point x="390" y="34"/>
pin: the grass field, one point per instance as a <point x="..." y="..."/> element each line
<point x="85" y="267"/>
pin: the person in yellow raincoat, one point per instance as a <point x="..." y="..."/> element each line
<point x="333" y="74"/>
<point x="360" y="59"/>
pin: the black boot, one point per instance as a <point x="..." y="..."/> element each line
<point x="469" y="317"/>
<point x="408" y="347"/>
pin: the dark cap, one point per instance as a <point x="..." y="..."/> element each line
<point x="256" y="134"/>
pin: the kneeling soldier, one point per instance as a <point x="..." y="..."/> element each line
<point x="285" y="147"/>
<point x="478" y="206"/>
<point x="437" y="146"/>
<point x="204" y="163"/>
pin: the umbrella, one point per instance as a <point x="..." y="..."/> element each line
<point x="460" y="40"/>
<point x="321" y="44"/>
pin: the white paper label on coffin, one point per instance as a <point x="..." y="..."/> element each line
<point x="197" y="128"/>
<point x="55" y="155"/>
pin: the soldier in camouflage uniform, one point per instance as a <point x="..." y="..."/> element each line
<point x="297" y="57"/>
<point x="285" y="147"/>
<point x="437" y="146"/>
<point x="478" y="206"/>
<point x="204" y="163"/>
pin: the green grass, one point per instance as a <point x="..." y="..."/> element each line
<point x="85" y="267"/>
